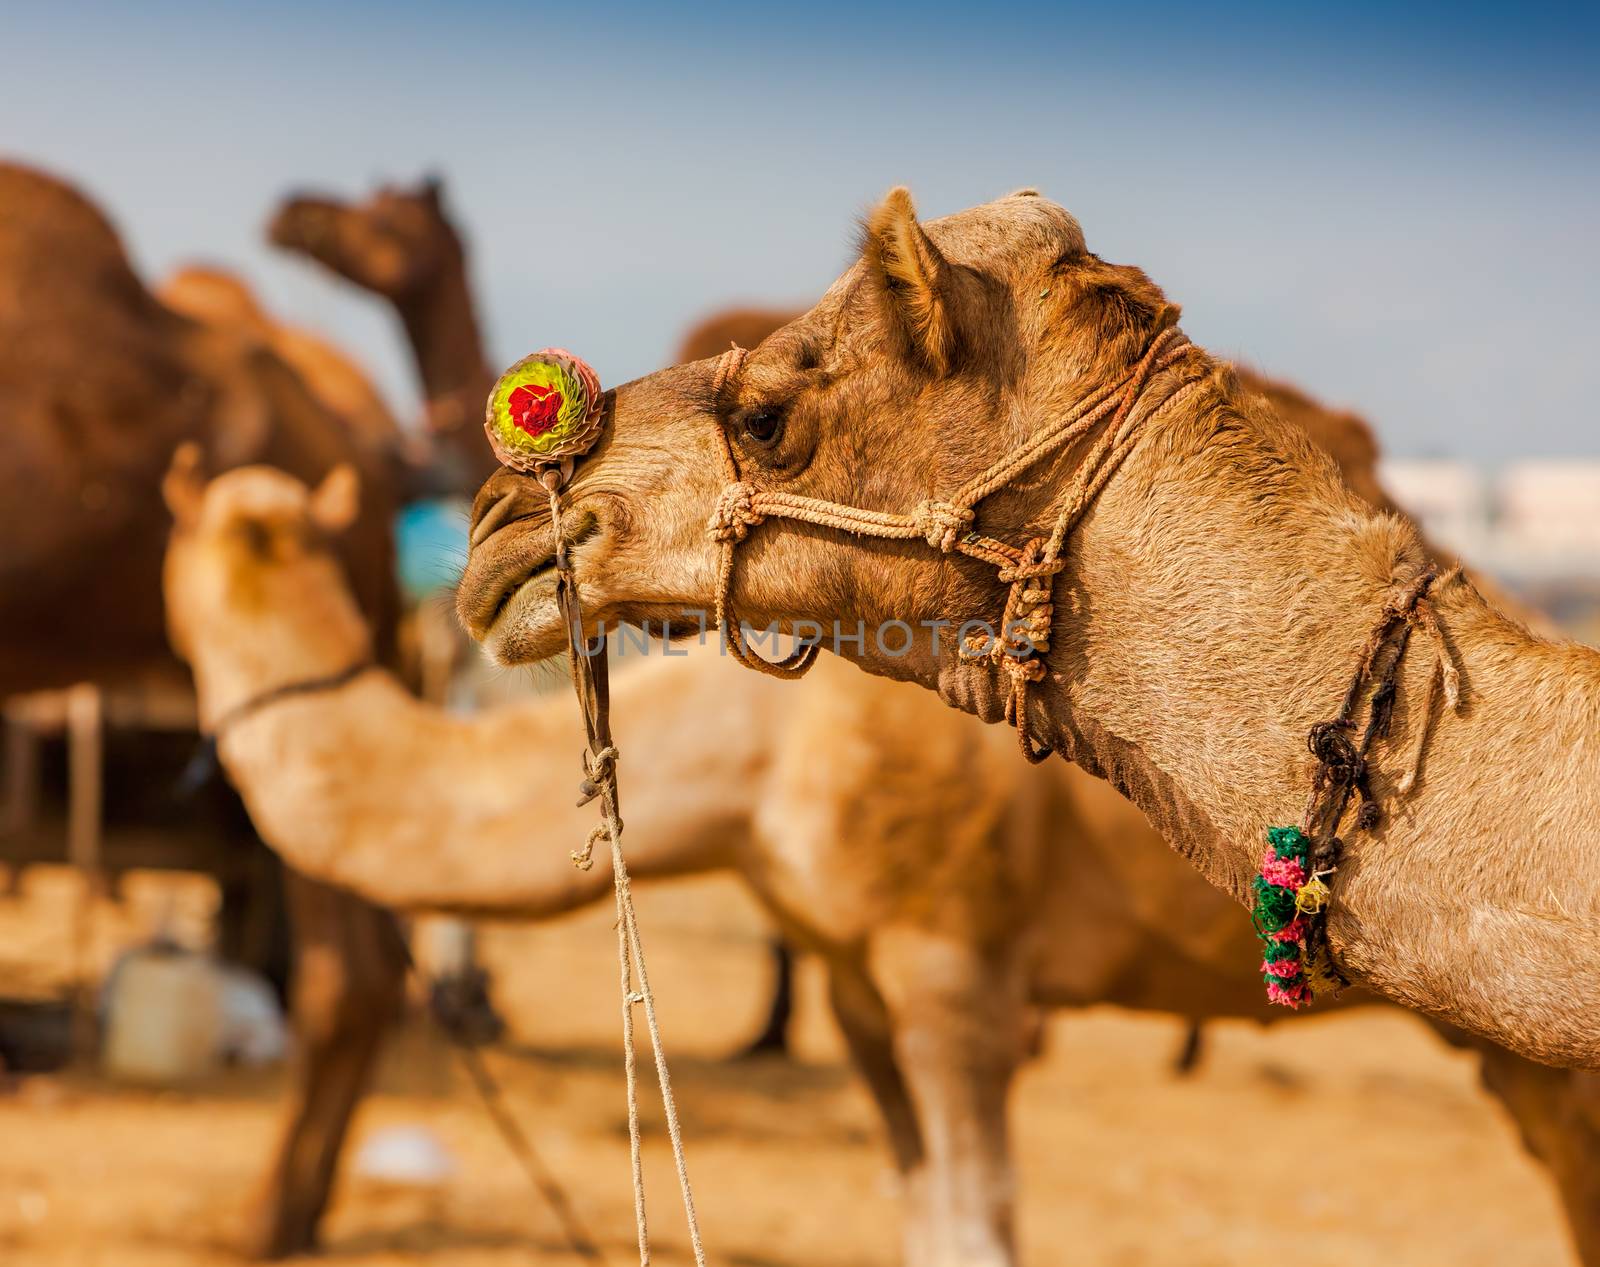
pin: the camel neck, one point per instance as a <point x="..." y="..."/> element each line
<point x="299" y="628"/>
<point x="479" y="813"/>
<point x="442" y="329"/>
<point x="1213" y="609"/>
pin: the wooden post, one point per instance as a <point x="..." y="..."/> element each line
<point x="85" y="805"/>
<point x="20" y="811"/>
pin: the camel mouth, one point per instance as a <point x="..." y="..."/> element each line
<point x="306" y="224"/>
<point x="514" y="605"/>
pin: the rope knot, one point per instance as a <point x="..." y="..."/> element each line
<point x="599" y="768"/>
<point x="735" y="513"/>
<point x="942" y="524"/>
<point x="1339" y="764"/>
<point x="1032" y="566"/>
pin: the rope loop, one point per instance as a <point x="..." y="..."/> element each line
<point x="600" y="833"/>
<point x="735" y="513"/>
<point x="942" y="524"/>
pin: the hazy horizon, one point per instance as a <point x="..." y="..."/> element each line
<point x="1396" y="212"/>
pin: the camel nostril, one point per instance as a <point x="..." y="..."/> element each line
<point x="493" y="518"/>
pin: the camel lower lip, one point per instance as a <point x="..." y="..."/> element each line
<point x="539" y="569"/>
<point x="518" y="607"/>
<point x="588" y="528"/>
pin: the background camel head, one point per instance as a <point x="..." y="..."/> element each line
<point x="394" y="244"/>
<point x="250" y="557"/>
<point x="939" y="350"/>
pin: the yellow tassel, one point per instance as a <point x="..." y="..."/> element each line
<point x="1312" y="896"/>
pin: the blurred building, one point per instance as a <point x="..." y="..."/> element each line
<point x="1451" y="500"/>
<point x="1535" y="526"/>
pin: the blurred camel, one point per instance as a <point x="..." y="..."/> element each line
<point x="99" y="381"/>
<point x="401" y="246"/>
<point x="217" y="297"/>
<point x="946" y="886"/>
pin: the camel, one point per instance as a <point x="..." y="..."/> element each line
<point x="217" y="297"/>
<point x="1214" y="597"/>
<point x="1343" y="435"/>
<point x="947" y="888"/>
<point x="98" y="382"/>
<point x="401" y="245"/>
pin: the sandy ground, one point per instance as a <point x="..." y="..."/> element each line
<point x="1122" y="1163"/>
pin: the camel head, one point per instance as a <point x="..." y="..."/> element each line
<point x="250" y="572"/>
<point x="394" y="244"/>
<point x="942" y="348"/>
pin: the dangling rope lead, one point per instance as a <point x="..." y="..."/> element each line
<point x="1024" y="638"/>
<point x="591" y="681"/>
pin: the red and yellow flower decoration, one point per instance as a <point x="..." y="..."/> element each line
<point x="544" y="409"/>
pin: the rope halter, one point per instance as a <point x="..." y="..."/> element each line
<point x="949" y="526"/>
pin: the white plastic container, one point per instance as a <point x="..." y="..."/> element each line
<point x="163" y="1017"/>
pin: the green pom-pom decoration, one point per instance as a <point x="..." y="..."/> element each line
<point x="1274" y="906"/>
<point x="1289" y="842"/>
<point x="1278" y="951"/>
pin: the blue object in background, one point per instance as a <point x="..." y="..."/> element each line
<point x="430" y="545"/>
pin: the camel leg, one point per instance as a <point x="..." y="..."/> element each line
<point x="773" y="1040"/>
<point x="959" y="1023"/>
<point x="1558" y="1112"/>
<point x="865" y="1022"/>
<point x="1194" y="1043"/>
<point x="349" y="976"/>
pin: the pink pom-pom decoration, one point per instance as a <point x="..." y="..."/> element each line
<point x="1289" y="996"/>
<point x="1287" y="873"/>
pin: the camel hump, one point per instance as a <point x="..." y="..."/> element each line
<point x="713" y="335"/>
<point x="40" y="213"/>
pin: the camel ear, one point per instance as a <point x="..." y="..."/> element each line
<point x="914" y="277"/>
<point x="337" y="500"/>
<point x="183" y="486"/>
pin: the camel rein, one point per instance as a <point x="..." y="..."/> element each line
<point x="1029" y="571"/>
<point x="591" y="683"/>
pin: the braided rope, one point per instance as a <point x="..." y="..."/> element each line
<point x="600" y="783"/>
<point x="947" y="525"/>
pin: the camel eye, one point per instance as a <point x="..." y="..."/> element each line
<point x="764" y="426"/>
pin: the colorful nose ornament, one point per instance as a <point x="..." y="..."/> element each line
<point x="544" y="411"/>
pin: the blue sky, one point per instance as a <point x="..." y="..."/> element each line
<point x="1397" y="211"/>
